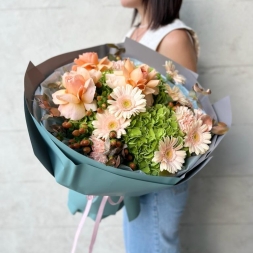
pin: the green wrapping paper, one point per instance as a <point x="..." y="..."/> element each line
<point x="84" y="176"/>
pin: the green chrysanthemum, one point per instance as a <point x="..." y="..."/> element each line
<point x="144" y="133"/>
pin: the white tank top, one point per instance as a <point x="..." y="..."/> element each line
<point x="152" y="38"/>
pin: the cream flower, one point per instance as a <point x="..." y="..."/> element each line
<point x="95" y="75"/>
<point x="116" y="79"/>
<point x="78" y="95"/>
<point x="170" y="157"/>
<point x="117" y="65"/>
<point x="197" y="138"/>
<point x="127" y="101"/>
<point x="120" y="76"/>
<point x="185" y="117"/>
<point x="177" y="95"/>
<point x="106" y="123"/>
<point x="173" y="73"/>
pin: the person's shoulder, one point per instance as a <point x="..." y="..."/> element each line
<point x="177" y="37"/>
<point x="178" y="46"/>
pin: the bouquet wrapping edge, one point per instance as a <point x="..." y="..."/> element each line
<point x="56" y="160"/>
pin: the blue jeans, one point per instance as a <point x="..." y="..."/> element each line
<point x="155" y="230"/>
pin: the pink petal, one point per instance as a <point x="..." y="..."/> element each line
<point x="136" y="75"/>
<point x="56" y="98"/>
<point x="148" y="91"/>
<point x="73" y="83"/>
<point x="91" y="106"/>
<point x="68" y="98"/>
<point x="129" y="66"/>
<point x="207" y="120"/>
<point x="72" y="111"/>
<point x="153" y="83"/>
<point x="152" y="74"/>
<point x="114" y="81"/>
<point x="88" y="95"/>
<point x="95" y="75"/>
<point x="89" y="57"/>
<point x="84" y="72"/>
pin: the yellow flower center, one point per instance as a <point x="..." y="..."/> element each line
<point x="127" y="104"/>
<point x="196" y="137"/>
<point x="112" y="125"/>
<point x="169" y="154"/>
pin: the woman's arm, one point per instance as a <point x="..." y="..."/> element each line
<point x="177" y="46"/>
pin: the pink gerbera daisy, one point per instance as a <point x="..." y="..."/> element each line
<point x="185" y="117"/>
<point x="127" y="101"/>
<point x="197" y="138"/>
<point x="107" y="122"/>
<point x="169" y="155"/>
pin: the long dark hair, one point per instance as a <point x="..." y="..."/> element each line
<point x="160" y="12"/>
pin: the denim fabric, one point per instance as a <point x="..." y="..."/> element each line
<point x="155" y="230"/>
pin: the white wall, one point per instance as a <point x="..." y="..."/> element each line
<point x="33" y="214"/>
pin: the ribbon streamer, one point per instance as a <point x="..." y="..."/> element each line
<point x="80" y="226"/>
<point x="97" y="222"/>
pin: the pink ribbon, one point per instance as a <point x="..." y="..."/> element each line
<point x="97" y="222"/>
<point x="80" y="226"/>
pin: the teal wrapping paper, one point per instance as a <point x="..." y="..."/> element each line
<point x="84" y="176"/>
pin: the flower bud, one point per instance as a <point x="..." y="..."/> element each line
<point x="76" y="133"/>
<point x="113" y="143"/>
<point x="111" y="162"/>
<point x="113" y="135"/>
<point x="170" y="104"/>
<point x="86" y="150"/>
<point x="130" y="157"/>
<point x="82" y="130"/>
<point x="119" y="144"/>
<point x="76" y="145"/>
<point x="88" y="113"/>
<point x="100" y="110"/>
<point x="83" y="125"/>
<point x="85" y="143"/>
<point x="132" y="166"/>
<point x="98" y="85"/>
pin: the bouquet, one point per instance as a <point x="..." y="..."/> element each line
<point x="127" y="115"/>
<point x="109" y="126"/>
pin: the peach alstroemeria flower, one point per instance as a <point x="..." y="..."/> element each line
<point x="78" y="95"/>
<point x="137" y="77"/>
<point x="143" y="79"/>
<point x="90" y="61"/>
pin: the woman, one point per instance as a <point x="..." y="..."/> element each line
<point x="156" y="227"/>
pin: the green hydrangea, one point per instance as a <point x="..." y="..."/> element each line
<point x="162" y="97"/>
<point x="143" y="135"/>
